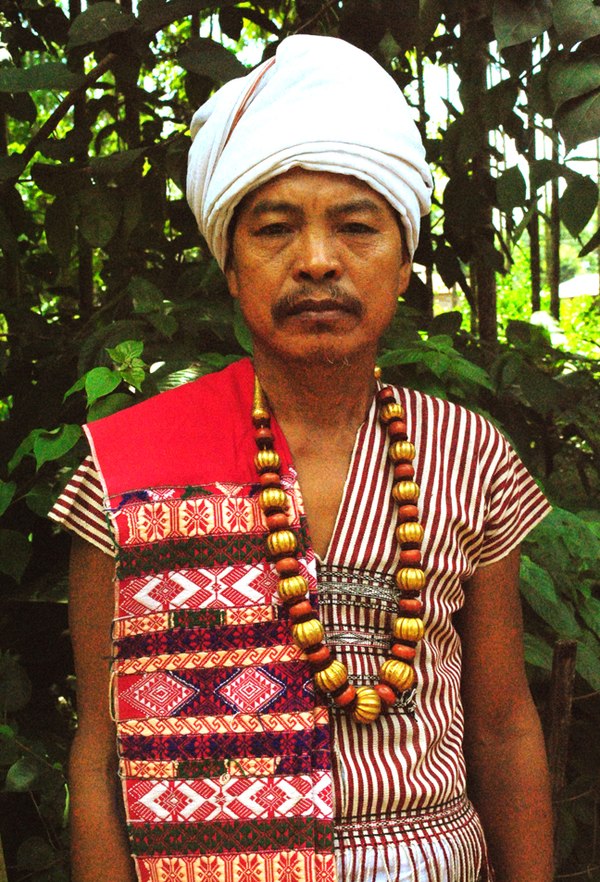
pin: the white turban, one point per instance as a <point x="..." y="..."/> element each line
<point x="321" y="104"/>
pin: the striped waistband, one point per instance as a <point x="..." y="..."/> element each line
<point x="408" y="826"/>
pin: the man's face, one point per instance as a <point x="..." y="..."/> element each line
<point x="317" y="266"/>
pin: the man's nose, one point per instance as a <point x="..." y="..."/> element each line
<point x="317" y="258"/>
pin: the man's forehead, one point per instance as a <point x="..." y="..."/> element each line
<point x="301" y="187"/>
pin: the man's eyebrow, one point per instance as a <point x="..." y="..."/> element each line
<point x="355" y="206"/>
<point x="264" y="206"/>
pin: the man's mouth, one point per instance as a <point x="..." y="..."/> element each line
<point x="312" y="305"/>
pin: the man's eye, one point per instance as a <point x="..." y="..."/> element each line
<point x="279" y="229"/>
<point x="356" y="227"/>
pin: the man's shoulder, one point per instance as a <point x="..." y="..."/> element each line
<point x="188" y="434"/>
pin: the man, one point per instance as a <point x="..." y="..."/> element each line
<point x="293" y="540"/>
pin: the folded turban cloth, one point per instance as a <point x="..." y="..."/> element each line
<point x="321" y="104"/>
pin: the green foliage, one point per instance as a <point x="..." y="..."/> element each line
<point x="107" y="296"/>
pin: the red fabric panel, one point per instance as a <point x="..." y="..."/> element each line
<point x="198" y="433"/>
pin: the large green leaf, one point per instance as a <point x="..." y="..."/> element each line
<point x="52" y="445"/>
<point x="100" y="212"/>
<point x="578" y="203"/>
<point x="7" y="492"/>
<point x="154" y="15"/>
<point x="537" y="652"/>
<point x="543" y="170"/>
<point x="209" y="59"/>
<point x="99" y="21"/>
<point x="59" y="227"/>
<point x="516" y="21"/>
<point x="576" y="20"/>
<point x="15" y="553"/>
<point x="100" y="381"/>
<point x="22" y="775"/>
<point x="511" y="189"/>
<point x="579" y="120"/>
<point x="116" y="163"/>
<point x="48" y="76"/>
<point x="15" y="685"/>
<point x="539" y="591"/>
<point x="588" y="664"/>
<point x="570" y="79"/>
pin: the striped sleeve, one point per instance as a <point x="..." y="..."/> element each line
<point x="515" y="505"/>
<point x="79" y="508"/>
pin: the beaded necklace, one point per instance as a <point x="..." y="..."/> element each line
<point x="396" y="674"/>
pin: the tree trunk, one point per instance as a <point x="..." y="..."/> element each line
<point x="472" y="68"/>
<point x="554" y="239"/>
<point x="533" y="227"/>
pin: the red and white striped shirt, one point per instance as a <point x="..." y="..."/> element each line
<point x="477" y="502"/>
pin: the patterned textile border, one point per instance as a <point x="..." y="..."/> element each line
<point x="192" y="618"/>
<point x="239" y="798"/>
<point x="234" y="723"/>
<point x="183" y="661"/>
<point x="232" y="836"/>
<point x="195" y="551"/>
<point x="167" y="512"/>
<point x="277" y="687"/>
<point x="287" y="866"/>
<point x="312" y="747"/>
<point x="204" y="640"/>
<point x="208" y="768"/>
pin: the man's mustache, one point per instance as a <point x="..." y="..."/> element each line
<point x="328" y="295"/>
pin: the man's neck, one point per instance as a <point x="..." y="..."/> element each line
<point x="317" y="396"/>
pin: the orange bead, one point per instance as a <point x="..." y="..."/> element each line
<point x="287" y="566"/>
<point x="407" y="513"/>
<point x="397" y="430"/>
<point x="403" y="652"/>
<point x="346" y="696"/>
<point x="410" y="557"/>
<point x="386" y="694"/>
<point x="318" y="655"/>
<point x="411" y="606"/>
<point x="269" y="479"/>
<point x="264" y="438"/>
<point x="301" y="610"/>
<point x="385" y="395"/>
<point x="278" y="521"/>
<point x="404" y="471"/>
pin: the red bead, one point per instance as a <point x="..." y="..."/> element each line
<point x="410" y="557"/>
<point x="278" y="521"/>
<point x="403" y="651"/>
<point x="287" y="566"/>
<point x="319" y="656"/>
<point x="397" y="430"/>
<point x="346" y="696"/>
<point x="385" y="395"/>
<point x="408" y="512"/>
<point x="264" y="438"/>
<point x="301" y="611"/>
<point x="269" y="479"/>
<point x="410" y="605"/>
<point x="386" y="694"/>
<point x="403" y="471"/>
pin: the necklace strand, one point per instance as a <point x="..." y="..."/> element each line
<point x="396" y="674"/>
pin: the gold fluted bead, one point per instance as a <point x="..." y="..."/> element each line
<point x="410" y="579"/>
<point x="332" y="677"/>
<point x="397" y="674"/>
<point x="282" y="542"/>
<point x="267" y="461"/>
<point x="292" y="588"/>
<point x="367" y="706"/>
<point x="307" y="634"/>
<point x="400" y="450"/>
<point x="405" y="491"/>
<point x="273" y="499"/>
<point x="409" y="629"/>
<point x="391" y="411"/>
<point x="409" y="532"/>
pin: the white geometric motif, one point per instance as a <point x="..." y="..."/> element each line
<point x="158" y="694"/>
<point x="171" y="801"/>
<point x="250" y="690"/>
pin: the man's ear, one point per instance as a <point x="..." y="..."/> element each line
<point x="231" y="276"/>
<point x="404" y="277"/>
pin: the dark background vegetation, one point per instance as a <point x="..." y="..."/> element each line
<point x="107" y="296"/>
